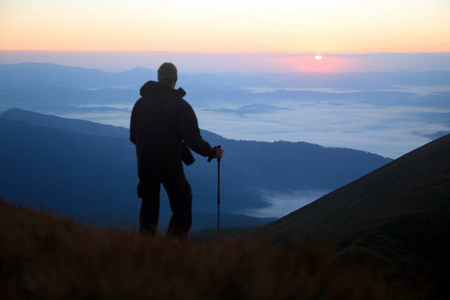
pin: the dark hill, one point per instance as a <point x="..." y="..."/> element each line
<point x="41" y="149"/>
<point x="397" y="215"/>
<point x="91" y="178"/>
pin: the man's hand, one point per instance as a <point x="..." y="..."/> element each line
<point x="216" y="152"/>
<point x="219" y="152"/>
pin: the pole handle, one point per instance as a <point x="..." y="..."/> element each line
<point x="210" y="158"/>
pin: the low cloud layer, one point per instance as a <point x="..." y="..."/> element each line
<point x="385" y="126"/>
<point x="281" y="203"/>
<point x="388" y="124"/>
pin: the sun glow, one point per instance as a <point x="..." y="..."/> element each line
<point x="318" y="56"/>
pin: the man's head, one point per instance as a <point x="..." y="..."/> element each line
<point x="167" y="74"/>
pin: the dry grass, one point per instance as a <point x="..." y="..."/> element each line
<point x="48" y="257"/>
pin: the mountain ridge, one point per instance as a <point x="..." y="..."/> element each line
<point x="21" y="74"/>
<point x="397" y="215"/>
<point x="34" y="156"/>
<point x="420" y="162"/>
<point x="70" y="125"/>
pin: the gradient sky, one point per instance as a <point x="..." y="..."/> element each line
<point x="281" y="26"/>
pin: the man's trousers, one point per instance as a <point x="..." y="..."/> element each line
<point x="178" y="189"/>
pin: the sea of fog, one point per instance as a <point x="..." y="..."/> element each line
<point x="386" y="122"/>
<point x="281" y="203"/>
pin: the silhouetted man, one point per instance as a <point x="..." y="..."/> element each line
<point x="162" y="125"/>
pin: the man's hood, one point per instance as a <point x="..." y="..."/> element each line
<point x="150" y="88"/>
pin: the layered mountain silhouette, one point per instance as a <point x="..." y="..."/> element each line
<point x="397" y="215"/>
<point x="88" y="171"/>
<point x="47" y="74"/>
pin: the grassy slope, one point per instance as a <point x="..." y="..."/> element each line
<point x="49" y="257"/>
<point x="398" y="215"/>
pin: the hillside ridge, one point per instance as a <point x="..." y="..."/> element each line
<point x="92" y="168"/>
<point x="397" y="215"/>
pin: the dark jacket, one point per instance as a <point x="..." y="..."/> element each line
<point x="160" y="120"/>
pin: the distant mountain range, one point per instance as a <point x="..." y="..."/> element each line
<point x="88" y="170"/>
<point x="50" y="88"/>
<point x="52" y="75"/>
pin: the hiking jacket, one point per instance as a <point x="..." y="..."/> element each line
<point x="160" y="120"/>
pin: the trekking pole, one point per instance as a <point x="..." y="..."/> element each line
<point x="218" y="200"/>
<point x="218" y="196"/>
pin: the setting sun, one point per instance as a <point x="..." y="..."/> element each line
<point x="318" y="56"/>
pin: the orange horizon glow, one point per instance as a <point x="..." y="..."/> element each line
<point x="274" y="35"/>
<point x="114" y="61"/>
<point x="325" y="64"/>
<point x="311" y="53"/>
<point x="343" y="46"/>
<point x="346" y="27"/>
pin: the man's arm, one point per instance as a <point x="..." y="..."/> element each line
<point x="133" y="119"/>
<point x="191" y="133"/>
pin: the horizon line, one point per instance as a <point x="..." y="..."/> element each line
<point x="230" y="52"/>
